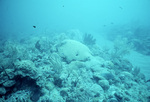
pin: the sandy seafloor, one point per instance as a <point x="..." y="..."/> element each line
<point x="68" y="67"/>
<point x="137" y="59"/>
<point x="141" y="61"/>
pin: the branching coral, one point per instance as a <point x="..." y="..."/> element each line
<point x="121" y="47"/>
<point x="88" y="39"/>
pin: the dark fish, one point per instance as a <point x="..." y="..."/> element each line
<point x="34" y="26"/>
<point x="148" y="80"/>
<point x="120" y="7"/>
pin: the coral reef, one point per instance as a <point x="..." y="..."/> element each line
<point x="138" y="35"/>
<point x="65" y="70"/>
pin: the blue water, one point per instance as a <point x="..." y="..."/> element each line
<point x="60" y="15"/>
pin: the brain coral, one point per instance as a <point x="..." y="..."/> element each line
<point x="73" y="50"/>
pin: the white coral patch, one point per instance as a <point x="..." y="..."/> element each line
<point x="74" y="51"/>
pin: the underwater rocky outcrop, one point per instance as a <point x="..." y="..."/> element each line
<point x="67" y="71"/>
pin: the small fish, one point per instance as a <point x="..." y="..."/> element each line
<point x="112" y="23"/>
<point x="120" y="7"/>
<point x="34" y="26"/>
<point x="148" y="80"/>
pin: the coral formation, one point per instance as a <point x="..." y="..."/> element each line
<point x="67" y="71"/>
<point x="88" y="39"/>
<point x="72" y="50"/>
<point x="138" y="35"/>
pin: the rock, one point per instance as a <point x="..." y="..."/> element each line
<point x="119" y="96"/>
<point x="19" y="96"/>
<point x="76" y="64"/>
<point x="64" y="92"/>
<point x="96" y="90"/>
<point x="49" y="85"/>
<point x="95" y="63"/>
<point x="97" y="77"/>
<point x="9" y="83"/>
<point x="1" y="68"/>
<point x="136" y="71"/>
<point x="103" y="73"/>
<point x="108" y="76"/>
<point x="45" y="98"/>
<point x="26" y="68"/>
<point x="104" y="84"/>
<point x="127" y="99"/>
<point x="2" y="91"/>
<point x="3" y="78"/>
<point x="112" y="100"/>
<point x="6" y="62"/>
<point x="55" y="96"/>
<point x="10" y="73"/>
<point x="108" y="64"/>
<point x="126" y="76"/>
